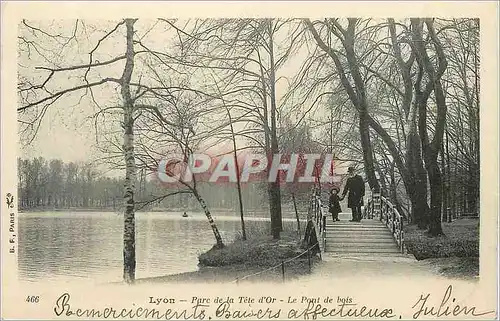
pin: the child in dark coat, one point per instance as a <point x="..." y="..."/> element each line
<point x="334" y="205"/>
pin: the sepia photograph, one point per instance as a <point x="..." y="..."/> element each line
<point x="249" y="150"/>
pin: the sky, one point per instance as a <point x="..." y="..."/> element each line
<point x="67" y="131"/>
<point x="70" y="138"/>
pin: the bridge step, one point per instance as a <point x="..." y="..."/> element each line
<point x="354" y="227"/>
<point x="378" y="245"/>
<point x="345" y="226"/>
<point x="371" y="239"/>
<point x="357" y="233"/>
<point x="393" y="250"/>
<point x="329" y="221"/>
<point x="371" y="255"/>
<point x="362" y="222"/>
<point x="348" y="220"/>
<point x="366" y="238"/>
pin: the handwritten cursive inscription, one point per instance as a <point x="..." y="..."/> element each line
<point x="224" y="311"/>
<point x="343" y="310"/>
<point x="446" y="308"/>
<point x="63" y="308"/>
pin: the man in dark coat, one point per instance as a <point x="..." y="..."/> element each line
<point x="356" y="187"/>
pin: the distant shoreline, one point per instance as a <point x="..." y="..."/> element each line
<point x="37" y="210"/>
<point x="80" y="209"/>
<point x="170" y="212"/>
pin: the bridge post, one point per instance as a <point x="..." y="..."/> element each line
<point x="401" y="236"/>
<point x="376" y="204"/>
<point x="393" y="221"/>
<point x="283" y="269"/>
<point x="309" y="260"/>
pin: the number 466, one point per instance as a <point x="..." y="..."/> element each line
<point x="32" y="299"/>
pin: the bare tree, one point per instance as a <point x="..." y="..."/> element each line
<point x="247" y="56"/>
<point x="430" y="147"/>
<point x="356" y="90"/>
<point x="159" y="139"/>
<point x="402" y="69"/>
<point x="45" y="89"/>
<point x="237" y="169"/>
<point x="460" y="40"/>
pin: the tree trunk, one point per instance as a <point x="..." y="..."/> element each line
<point x="128" y="149"/>
<point x="219" y="244"/>
<point x="362" y="106"/>
<point x="477" y="125"/>
<point x="414" y="181"/>
<point x="274" y="201"/>
<point x="419" y="206"/>
<point x="393" y="191"/>
<point x="275" y="208"/>
<point x="448" y="181"/>
<point x="416" y="177"/>
<point x="417" y="187"/>
<point x="296" y="213"/>
<point x="444" y="190"/>
<point x="238" y="183"/>
<point x="366" y="145"/>
<point x="431" y="148"/>
<point x="472" y="188"/>
<point x="276" y="193"/>
<point x="435" y="180"/>
<point x="356" y="93"/>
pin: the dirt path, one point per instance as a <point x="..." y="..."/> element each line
<point x="372" y="266"/>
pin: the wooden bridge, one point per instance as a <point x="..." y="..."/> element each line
<point x="380" y="233"/>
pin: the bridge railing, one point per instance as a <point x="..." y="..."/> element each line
<point x="316" y="214"/>
<point x="393" y="220"/>
<point x="321" y="221"/>
<point x="380" y="207"/>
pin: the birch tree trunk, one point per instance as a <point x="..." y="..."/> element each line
<point x="219" y="244"/>
<point x="128" y="150"/>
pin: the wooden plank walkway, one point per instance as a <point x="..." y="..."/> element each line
<point x="370" y="237"/>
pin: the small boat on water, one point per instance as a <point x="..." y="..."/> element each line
<point x="185" y="215"/>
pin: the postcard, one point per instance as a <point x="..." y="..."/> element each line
<point x="249" y="160"/>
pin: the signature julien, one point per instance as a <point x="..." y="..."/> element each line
<point x="447" y="307"/>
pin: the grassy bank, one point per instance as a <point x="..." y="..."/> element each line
<point x="456" y="254"/>
<point x="259" y="254"/>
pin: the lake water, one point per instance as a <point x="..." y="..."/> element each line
<point x="61" y="246"/>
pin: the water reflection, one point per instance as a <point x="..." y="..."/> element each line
<point x="62" y="246"/>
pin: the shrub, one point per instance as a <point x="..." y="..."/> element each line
<point x="461" y="240"/>
<point x="258" y="250"/>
